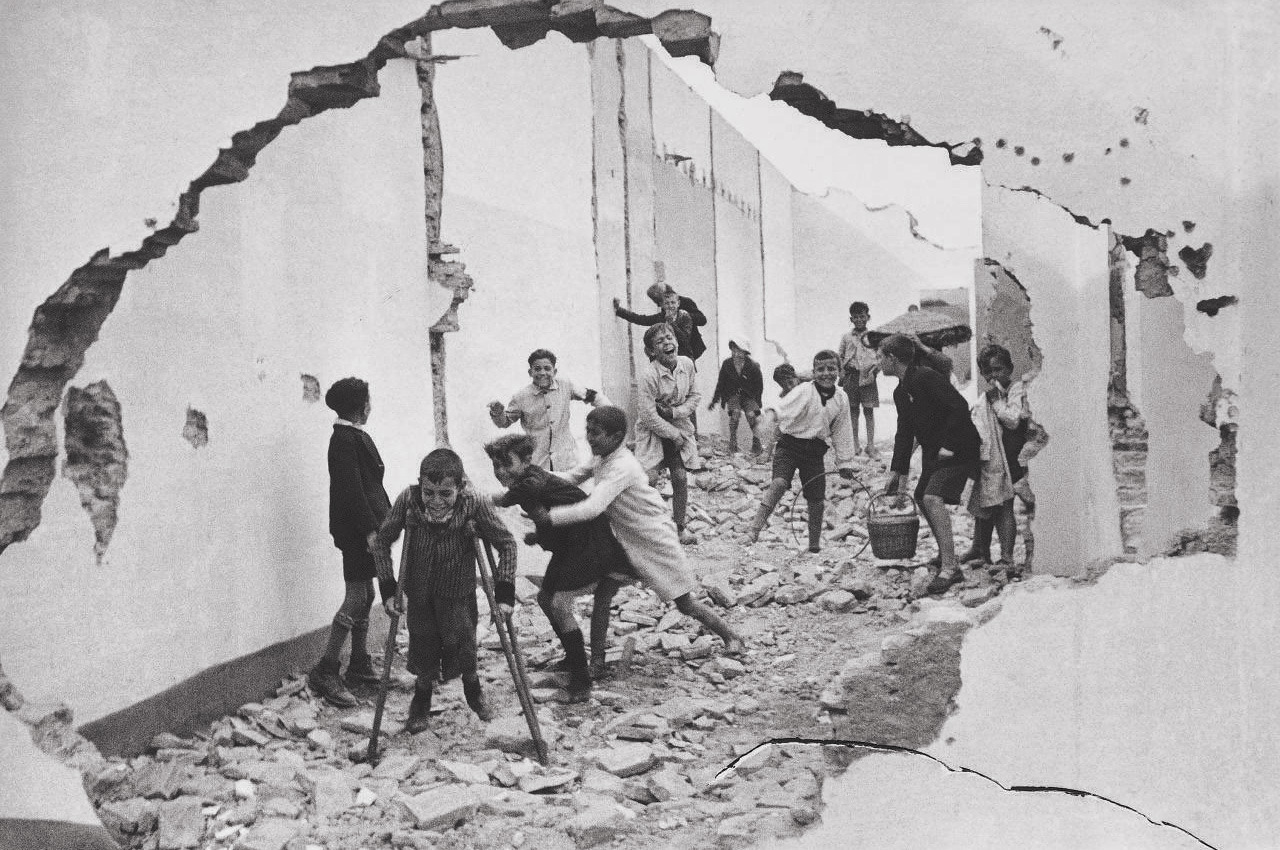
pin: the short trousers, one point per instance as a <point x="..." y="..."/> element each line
<point x="946" y="481"/>
<point x="442" y="630"/>
<point x="736" y="403"/>
<point x="794" y="453"/>
<point x="357" y="565"/>
<point x="864" y="395"/>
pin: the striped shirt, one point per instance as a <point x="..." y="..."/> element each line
<point x="438" y="559"/>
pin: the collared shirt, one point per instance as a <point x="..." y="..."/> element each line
<point x="803" y="414"/>
<point x="677" y="389"/>
<point x="857" y="356"/>
<point x="932" y="412"/>
<point x="438" y="559"/>
<point x="341" y="421"/>
<point x="544" y="415"/>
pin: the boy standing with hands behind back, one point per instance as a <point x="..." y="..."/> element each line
<point x="860" y="364"/>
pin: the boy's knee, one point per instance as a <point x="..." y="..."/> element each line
<point x="344" y="620"/>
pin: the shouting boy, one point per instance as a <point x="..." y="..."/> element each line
<point x="665" y="433"/>
<point x="810" y="418"/>
<point x="439" y="517"/>
<point x="584" y="557"/>
<point x="542" y="408"/>
<point x="639" y="519"/>
<point x="933" y="413"/>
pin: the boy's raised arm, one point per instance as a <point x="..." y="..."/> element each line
<point x="636" y="318"/>
<point x="504" y="416"/>
<point x="690" y="307"/>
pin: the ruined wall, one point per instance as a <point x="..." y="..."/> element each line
<point x="1064" y="267"/>
<point x="314" y="266"/>
<point x="520" y="217"/>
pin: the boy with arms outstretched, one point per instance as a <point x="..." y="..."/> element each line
<point x="638" y="517"/>
<point x="810" y="417"/>
<point x="440" y="517"/>
<point x="584" y="556"/>
<point x="542" y="408"/>
<point x="665" y="433"/>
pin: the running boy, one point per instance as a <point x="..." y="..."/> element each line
<point x="860" y="365"/>
<point x="810" y="417"/>
<point x="665" y="434"/>
<point x="739" y="388"/>
<point x="933" y="413"/>
<point x="639" y="519"/>
<point x="357" y="505"/>
<point x="583" y="557"/>
<point x="1001" y="416"/>
<point x="542" y="408"/>
<point x="439" y="516"/>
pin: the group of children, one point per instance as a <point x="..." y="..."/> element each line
<point x="621" y="530"/>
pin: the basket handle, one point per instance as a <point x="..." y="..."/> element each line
<point x="871" y="505"/>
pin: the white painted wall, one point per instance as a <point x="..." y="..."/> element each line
<point x="316" y="265"/>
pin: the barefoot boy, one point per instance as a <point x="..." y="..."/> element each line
<point x="665" y="433"/>
<point x="933" y="413"/>
<point x="584" y="557"/>
<point x="810" y="418"/>
<point x="638" y="517"/>
<point x="860" y="364"/>
<point x="542" y="408"/>
<point x="439" y="567"/>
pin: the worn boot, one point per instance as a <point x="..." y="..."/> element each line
<point x="361" y="672"/>
<point x="576" y="656"/>
<point x="756" y="448"/>
<point x="733" y="444"/>
<point x="323" y="679"/>
<point x="419" y="707"/>
<point x="476" y="699"/>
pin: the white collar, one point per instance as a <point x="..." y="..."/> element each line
<point x="341" y="421"/>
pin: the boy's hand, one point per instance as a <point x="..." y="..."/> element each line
<point x="531" y="538"/>
<point x="505" y="609"/>
<point x="371" y="541"/>
<point x="945" y="454"/>
<point x="496" y="409"/>
<point x="392" y="607"/>
<point x="617" y="306"/>
<point x="891" y="488"/>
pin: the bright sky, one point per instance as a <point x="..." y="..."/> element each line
<point x="945" y="199"/>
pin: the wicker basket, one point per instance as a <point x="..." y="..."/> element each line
<point x="892" y="535"/>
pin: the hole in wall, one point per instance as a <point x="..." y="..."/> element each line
<point x="97" y="460"/>
<point x="196" y="429"/>
<point x="310" y="388"/>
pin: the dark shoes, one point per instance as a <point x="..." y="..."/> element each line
<point x="579" y="687"/>
<point x="945" y="580"/>
<point x="756" y="448"/>
<point x="324" y="680"/>
<point x="360" y="671"/>
<point x="476" y="700"/>
<point x="419" y="710"/>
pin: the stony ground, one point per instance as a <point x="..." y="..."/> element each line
<point x="643" y="764"/>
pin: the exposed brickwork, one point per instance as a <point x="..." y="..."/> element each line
<point x="1129" y="465"/>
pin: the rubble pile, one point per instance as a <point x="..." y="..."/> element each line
<point x="645" y="763"/>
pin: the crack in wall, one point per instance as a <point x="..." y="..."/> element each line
<point x="791" y="89"/>
<point x="1017" y="789"/>
<point x="1153" y="272"/>
<point x="97" y="460"/>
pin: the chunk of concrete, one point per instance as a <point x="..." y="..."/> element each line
<point x="549" y="780"/>
<point x="441" y="808"/>
<point x="464" y="772"/>
<point x="836" y="601"/>
<point x="397" y="766"/>
<point x="270" y="834"/>
<point x="596" y="825"/>
<point x="329" y="789"/>
<point x="181" y="823"/>
<point x="627" y="760"/>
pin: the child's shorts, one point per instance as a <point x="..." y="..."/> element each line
<point x="794" y="453"/>
<point x="860" y="395"/>
<point x="737" y="402"/>
<point x="357" y="565"/>
<point x="946" y="481"/>
<point x="442" y="630"/>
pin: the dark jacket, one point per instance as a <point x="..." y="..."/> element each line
<point x="358" y="503"/>
<point x="748" y="385"/>
<point x="934" y="413"/>
<point x="581" y="553"/>
<point x="688" y="336"/>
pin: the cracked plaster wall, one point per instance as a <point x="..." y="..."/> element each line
<point x="314" y="264"/>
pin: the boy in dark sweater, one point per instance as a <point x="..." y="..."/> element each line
<point x="584" y="556"/>
<point x="440" y="517"/>
<point x="357" y="505"/>
<point x="933" y="413"/>
<point x="740" y="388"/>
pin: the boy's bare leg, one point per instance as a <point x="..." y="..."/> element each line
<point x="680" y="501"/>
<point x="853" y="419"/>
<point x="753" y="420"/>
<point x="869" y="413"/>
<point x="1007" y="529"/>
<point x="816" y="509"/>
<point x="690" y="607"/>
<point x="935" y="512"/>
<point x="771" y="498"/>
<point x="980" y="550"/>
<point x="606" y="588"/>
